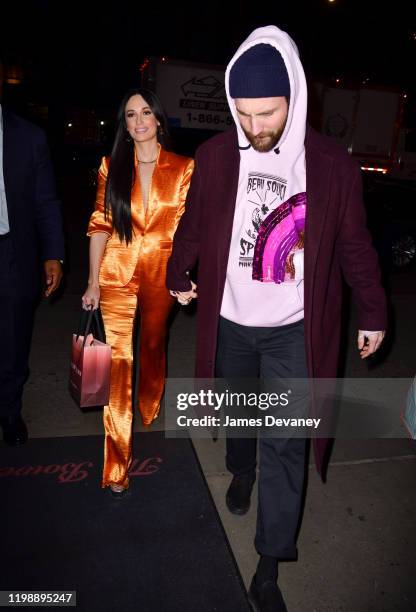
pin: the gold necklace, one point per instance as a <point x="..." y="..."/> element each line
<point x="147" y="162"/>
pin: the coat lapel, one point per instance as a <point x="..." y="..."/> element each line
<point x="157" y="183"/>
<point x="10" y="159"/>
<point x="227" y="165"/>
<point x="318" y="174"/>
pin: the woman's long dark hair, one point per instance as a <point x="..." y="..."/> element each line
<point x="121" y="173"/>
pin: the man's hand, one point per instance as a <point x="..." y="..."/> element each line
<point x="53" y="274"/>
<point x="185" y="297"/>
<point x="369" y="342"/>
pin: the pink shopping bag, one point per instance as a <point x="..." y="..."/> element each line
<point x="89" y="376"/>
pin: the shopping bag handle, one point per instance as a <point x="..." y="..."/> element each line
<point x="85" y="323"/>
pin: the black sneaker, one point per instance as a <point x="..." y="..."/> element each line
<point x="239" y="493"/>
<point x="267" y="597"/>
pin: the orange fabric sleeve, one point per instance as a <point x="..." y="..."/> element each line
<point x="98" y="222"/>
<point x="183" y="191"/>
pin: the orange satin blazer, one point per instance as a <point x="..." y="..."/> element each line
<point x="152" y="232"/>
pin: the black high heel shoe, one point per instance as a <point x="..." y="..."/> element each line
<point x="117" y="491"/>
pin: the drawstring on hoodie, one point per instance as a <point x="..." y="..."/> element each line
<point x="276" y="150"/>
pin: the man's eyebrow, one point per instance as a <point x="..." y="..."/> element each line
<point x="265" y="112"/>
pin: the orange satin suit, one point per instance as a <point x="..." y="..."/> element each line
<point x="133" y="276"/>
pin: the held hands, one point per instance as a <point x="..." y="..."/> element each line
<point x="91" y="297"/>
<point x="185" y="297"/>
<point x="369" y="341"/>
<point x="53" y="275"/>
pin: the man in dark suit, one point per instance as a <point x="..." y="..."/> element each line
<point x="31" y="234"/>
<point x="274" y="217"/>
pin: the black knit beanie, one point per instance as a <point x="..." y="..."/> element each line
<point x="259" y="72"/>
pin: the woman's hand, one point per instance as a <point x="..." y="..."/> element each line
<point x="185" y="297"/>
<point x="369" y="342"/>
<point x="91" y="297"/>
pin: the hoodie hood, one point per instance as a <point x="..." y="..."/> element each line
<point x="296" y="120"/>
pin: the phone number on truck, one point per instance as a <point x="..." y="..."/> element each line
<point x="209" y="118"/>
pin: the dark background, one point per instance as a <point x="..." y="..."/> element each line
<point x="89" y="53"/>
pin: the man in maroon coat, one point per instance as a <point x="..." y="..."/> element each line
<point x="274" y="217"/>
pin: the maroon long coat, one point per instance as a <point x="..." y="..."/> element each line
<point x="336" y="242"/>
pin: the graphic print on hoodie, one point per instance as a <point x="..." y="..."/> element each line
<point x="266" y="182"/>
<point x="264" y="192"/>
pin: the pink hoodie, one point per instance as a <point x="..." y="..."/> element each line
<point x="266" y="181"/>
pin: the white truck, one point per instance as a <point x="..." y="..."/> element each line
<point x="369" y="121"/>
<point x="192" y="94"/>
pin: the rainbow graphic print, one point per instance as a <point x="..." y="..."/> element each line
<point x="280" y="233"/>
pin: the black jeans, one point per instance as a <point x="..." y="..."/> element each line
<point x="16" y="324"/>
<point x="267" y="353"/>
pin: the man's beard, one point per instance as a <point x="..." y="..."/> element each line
<point x="265" y="141"/>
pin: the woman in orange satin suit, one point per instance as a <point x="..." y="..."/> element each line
<point x="140" y="198"/>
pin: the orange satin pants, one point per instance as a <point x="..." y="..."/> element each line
<point x="118" y="307"/>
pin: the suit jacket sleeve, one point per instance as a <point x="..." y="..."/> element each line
<point x="185" y="249"/>
<point x="359" y="261"/>
<point x="98" y="222"/>
<point x="183" y="191"/>
<point x="48" y="207"/>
